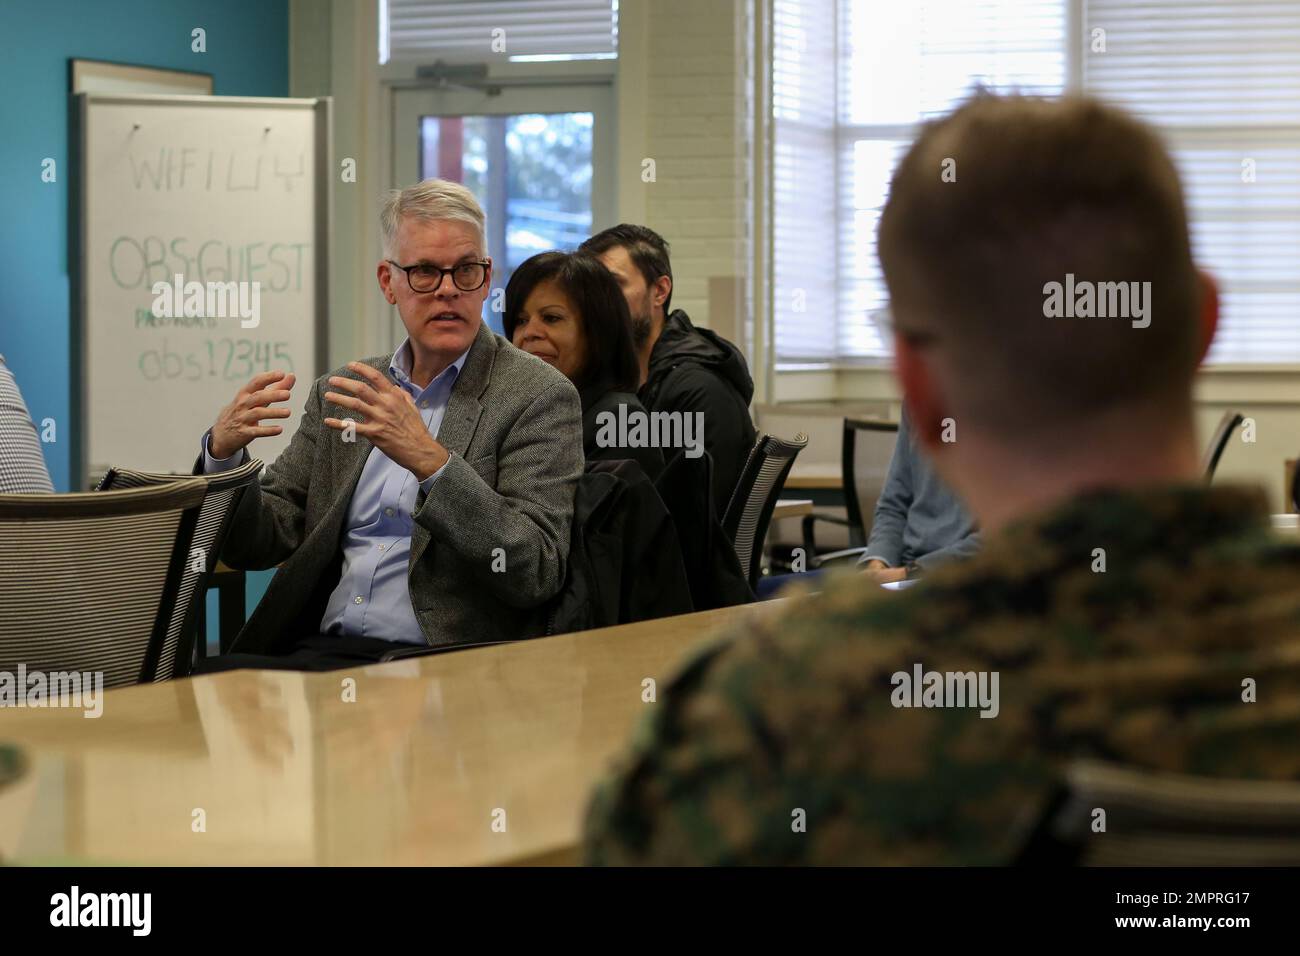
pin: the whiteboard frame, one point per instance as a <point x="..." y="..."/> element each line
<point x="84" y="73"/>
<point x="79" y="246"/>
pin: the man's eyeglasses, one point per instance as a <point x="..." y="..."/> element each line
<point x="466" y="276"/>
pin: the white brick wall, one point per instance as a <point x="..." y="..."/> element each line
<point x="697" y="126"/>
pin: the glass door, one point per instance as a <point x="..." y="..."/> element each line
<point x="539" y="159"/>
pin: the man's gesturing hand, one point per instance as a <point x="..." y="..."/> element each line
<point x="241" y="421"/>
<point x="392" y="422"/>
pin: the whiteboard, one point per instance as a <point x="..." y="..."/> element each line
<point x="231" y="194"/>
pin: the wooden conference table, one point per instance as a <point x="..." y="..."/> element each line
<point x="823" y="483"/>
<point x="792" y="508"/>
<point x="817" y="477"/>
<point x="274" y="767"/>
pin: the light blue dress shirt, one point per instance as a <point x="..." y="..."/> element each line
<point x="372" y="598"/>
<point x="918" y="518"/>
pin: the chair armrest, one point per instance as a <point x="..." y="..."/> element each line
<point x="821" y="560"/>
<point x="809" y="538"/>
<point x="402" y="654"/>
<point x="417" y="650"/>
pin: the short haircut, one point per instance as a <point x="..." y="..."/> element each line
<point x="431" y="200"/>
<point x="603" y="318"/>
<point x="1043" y="188"/>
<point x="646" y="248"/>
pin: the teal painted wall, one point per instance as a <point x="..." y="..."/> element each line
<point x="247" y="55"/>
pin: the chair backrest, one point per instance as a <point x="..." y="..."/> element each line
<point x="221" y="497"/>
<point x="750" y="509"/>
<point x="1219" y="441"/>
<point x="88" y="581"/>
<point x="866" y="451"/>
<point x="1162" y="819"/>
<point x="716" y="576"/>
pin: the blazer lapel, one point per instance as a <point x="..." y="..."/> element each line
<point x="463" y="412"/>
<point x="351" y="462"/>
<point x="463" y="407"/>
<point x="351" y="458"/>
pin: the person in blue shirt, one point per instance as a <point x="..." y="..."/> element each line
<point x="918" y="522"/>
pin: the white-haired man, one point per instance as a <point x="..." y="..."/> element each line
<point x="427" y="495"/>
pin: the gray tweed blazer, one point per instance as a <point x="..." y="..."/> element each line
<point x="513" y="426"/>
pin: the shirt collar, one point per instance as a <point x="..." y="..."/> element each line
<point x="402" y="360"/>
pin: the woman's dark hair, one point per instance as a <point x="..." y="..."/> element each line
<point x="603" y="319"/>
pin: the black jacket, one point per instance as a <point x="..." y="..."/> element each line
<point x="696" y="370"/>
<point x="717" y="579"/>
<point x="596" y="400"/>
<point x="625" y="563"/>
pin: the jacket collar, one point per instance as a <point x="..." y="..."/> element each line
<point x="1156" y="522"/>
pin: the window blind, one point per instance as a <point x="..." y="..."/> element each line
<point x="1221" y="80"/>
<point x="804" y="175"/>
<point x="427" y="30"/>
<point x="894" y="66"/>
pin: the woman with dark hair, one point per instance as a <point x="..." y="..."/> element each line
<point x="568" y="310"/>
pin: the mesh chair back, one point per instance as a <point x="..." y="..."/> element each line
<point x="867" y="448"/>
<point x="750" y="511"/>
<point x="220" y="499"/>
<point x="1218" y="442"/>
<point x="1159" y="819"/>
<point x="88" y="581"/>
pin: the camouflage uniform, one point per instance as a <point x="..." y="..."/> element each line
<point x="1141" y="664"/>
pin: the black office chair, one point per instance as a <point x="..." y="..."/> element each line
<point x="1161" y="819"/>
<point x="1218" y="442"/>
<point x="750" y="510"/>
<point x="865" y="452"/>
<point x="221" y="496"/>
<point x="715" y="574"/>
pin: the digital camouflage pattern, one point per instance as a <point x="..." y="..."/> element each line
<point x="1142" y="663"/>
